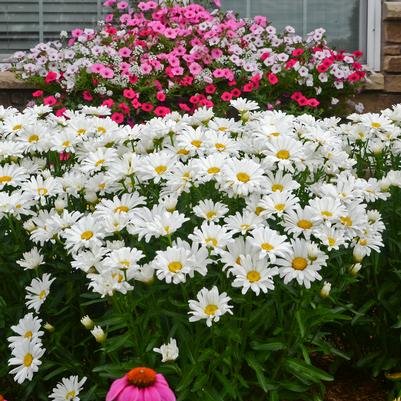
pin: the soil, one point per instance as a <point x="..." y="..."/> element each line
<point x="353" y="386"/>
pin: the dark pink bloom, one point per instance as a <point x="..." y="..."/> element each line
<point x="64" y="156"/>
<point x="60" y="112"/>
<point x="117" y="117"/>
<point x="87" y="96"/>
<point x="312" y="102"/>
<point x="51" y="76"/>
<point x="129" y="93"/>
<point x="140" y="384"/>
<point x="272" y="78"/>
<point x="162" y="111"/>
<point x="226" y="96"/>
<point x="50" y="101"/>
<point x="109" y="103"/>
<point x="297" y="52"/>
<point x="37" y="93"/>
<point x="161" y="97"/>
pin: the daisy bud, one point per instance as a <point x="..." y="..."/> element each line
<point x="29" y="225"/>
<point x="99" y="334"/>
<point x="91" y="197"/>
<point x="60" y="204"/>
<point x="145" y="274"/>
<point x="87" y="322"/>
<point x="169" y="351"/>
<point x="358" y="255"/>
<point x="354" y="269"/>
<point x="325" y="291"/>
<point x="49" y="327"/>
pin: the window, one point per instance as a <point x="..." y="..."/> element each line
<point x="349" y="24"/>
<point x="28" y="22"/>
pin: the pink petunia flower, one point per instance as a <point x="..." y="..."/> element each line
<point x="140" y="384"/>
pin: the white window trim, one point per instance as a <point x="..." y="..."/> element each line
<point x="373" y="30"/>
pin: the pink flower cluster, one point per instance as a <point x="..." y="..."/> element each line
<point x="153" y="59"/>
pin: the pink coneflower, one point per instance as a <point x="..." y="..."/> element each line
<point x="140" y="384"/>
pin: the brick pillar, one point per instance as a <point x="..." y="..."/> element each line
<point x="392" y="46"/>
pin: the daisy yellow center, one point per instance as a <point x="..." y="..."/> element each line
<point x="253" y="276"/>
<point x="101" y="130"/>
<point x="33" y="138"/>
<point x="66" y="144"/>
<point x="299" y="263"/>
<point x="28" y="359"/>
<point x="17" y="127"/>
<point x="211" y="214"/>
<point x="304" y="224"/>
<point x="125" y="263"/>
<point x="28" y="334"/>
<point x="331" y="241"/>
<point x="213" y="170"/>
<point x="186" y="176"/>
<point x="81" y="131"/>
<point x="87" y="235"/>
<point x="259" y="210"/>
<point x="220" y="146"/>
<point x="266" y="246"/>
<point x="99" y="162"/>
<point x="238" y="260"/>
<point x="376" y="125"/>
<point x="243" y="177"/>
<point x="276" y="134"/>
<point x="42" y="191"/>
<point x="102" y="185"/>
<point x="160" y="169"/>
<point x="361" y="135"/>
<point x="363" y="242"/>
<point x="211" y="309"/>
<point x="279" y="207"/>
<point x="183" y="152"/>
<point x="70" y="395"/>
<point x="5" y="178"/>
<point x="121" y="209"/>
<point x="211" y="241"/>
<point x="223" y="129"/>
<point x="283" y="154"/>
<point x="245" y="227"/>
<point x="347" y="221"/>
<point x="277" y="187"/>
<point x="326" y="213"/>
<point x="141" y="377"/>
<point x="196" y="143"/>
<point x="175" y="266"/>
<point x="42" y="294"/>
<point x="167" y="229"/>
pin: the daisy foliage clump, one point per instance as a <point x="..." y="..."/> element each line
<point x="225" y="245"/>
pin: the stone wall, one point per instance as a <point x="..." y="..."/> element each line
<point x="13" y="92"/>
<point x="392" y="46"/>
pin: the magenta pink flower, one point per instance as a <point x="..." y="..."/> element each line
<point x="217" y="3"/>
<point x="140" y="384"/>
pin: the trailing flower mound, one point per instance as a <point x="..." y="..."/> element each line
<point x="151" y="59"/>
<point x="225" y="244"/>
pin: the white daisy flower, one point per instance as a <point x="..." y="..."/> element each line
<point x="26" y="356"/>
<point x="68" y="389"/>
<point x="210" y="305"/>
<point x="38" y="291"/>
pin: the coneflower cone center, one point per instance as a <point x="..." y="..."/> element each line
<point x="142" y="377"/>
